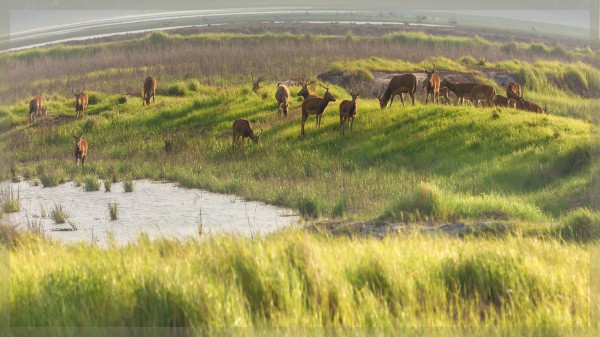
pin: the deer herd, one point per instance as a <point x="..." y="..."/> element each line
<point x="435" y="89"/>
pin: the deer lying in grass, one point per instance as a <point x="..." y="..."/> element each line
<point x="282" y="95"/>
<point x="243" y="128"/>
<point x="81" y="101"/>
<point x="461" y="90"/>
<point x="315" y="106"/>
<point x="515" y="92"/>
<point x="81" y="147"/>
<point x="432" y="85"/>
<point x="400" y="84"/>
<point x="502" y="101"/>
<point x="348" y="110"/>
<point x="150" y="84"/>
<point x="36" y="107"/>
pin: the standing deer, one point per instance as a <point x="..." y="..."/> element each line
<point x="150" y="84"/>
<point x="348" y="111"/>
<point x="432" y="85"/>
<point x="304" y="91"/>
<point x="81" y="147"/>
<point x="282" y="95"/>
<point x="399" y="85"/>
<point x="81" y="101"/>
<point x="243" y="128"/>
<point x="461" y="90"/>
<point x="256" y="84"/>
<point x="36" y="107"/>
<point x="444" y="95"/>
<point x="315" y="106"/>
<point x="482" y="92"/>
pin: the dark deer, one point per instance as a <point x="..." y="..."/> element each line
<point x="482" y="92"/>
<point x="304" y="91"/>
<point x="315" y="106"/>
<point x="348" y="111"/>
<point x="282" y="95"/>
<point x="243" y="128"/>
<point x="399" y="85"/>
<point x="150" y="84"/>
<point x="461" y="90"/>
<point x="444" y="95"/>
<point x="502" y="101"/>
<point x="256" y="84"/>
<point x="81" y="101"/>
<point x="432" y="85"/>
<point x="36" y="107"/>
<point x="81" y="147"/>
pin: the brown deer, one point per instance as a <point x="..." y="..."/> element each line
<point x="150" y="84"/>
<point x="443" y="94"/>
<point x="530" y="106"/>
<point x="256" y="84"/>
<point x="432" y="85"/>
<point x="282" y="95"/>
<point x="304" y="91"/>
<point x="243" y="128"/>
<point x="461" y="90"/>
<point x="514" y="91"/>
<point x="482" y="92"/>
<point x="81" y="101"/>
<point x="315" y="106"/>
<point x="81" y="147"/>
<point x="348" y="111"/>
<point x="36" y="107"/>
<point x="502" y="101"/>
<point x="399" y="85"/>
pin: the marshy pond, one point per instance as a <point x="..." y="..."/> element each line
<point x="155" y="209"/>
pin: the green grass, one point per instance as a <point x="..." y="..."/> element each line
<point x="59" y="214"/>
<point x="91" y="184"/>
<point x="113" y="210"/>
<point x="298" y="279"/>
<point x="531" y="167"/>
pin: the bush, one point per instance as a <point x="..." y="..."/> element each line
<point x="113" y="210"/>
<point x="580" y="225"/>
<point x="308" y="208"/>
<point x="51" y="180"/>
<point x="177" y="89"/>
<point x="107" y="185"/>
<point x="94" y="98"/>
<point x="59" y="214"/>
<point x="122" y="100"/>
<point x="194" y="85"/>
<point x="128" y="185"/>
<point x="91" y="184"/>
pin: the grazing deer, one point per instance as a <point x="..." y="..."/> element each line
<point x="398" y="85"/>
<point x="514" y="91"/>
<point x="243" y="128"/>
<point x="502" y="101"/>
<point x="81" y="101"/>
<point x="36" y="107"/>
<point x="81" y="147"/>
<point x="150" y="84"/>
<point x="256" y="84"/>
<point x="444" y="95"/>
<point x="482" y="92"/>
<point x="432" y="85"/>
<point x="304" y="91"/>
<point x="315" y="106"/>
<point x="461" y="90"/>
<point x="348" y="111"/>
<point x="282" y="95"/>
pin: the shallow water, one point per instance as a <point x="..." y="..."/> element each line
<point x="153" y="208"/>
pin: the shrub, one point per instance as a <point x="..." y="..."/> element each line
<point x="580" y="225"/>
<point x="122" y="100"/>
<point x="50" y="179"/>
<point x="59" y="214"/>
<point x="128" y="185"/>
<point x="177" y="89"/>
<point x="308" y="208"/>
<point x="94" y="98"/>
<point x="113" y="210"/>
<point x="91" y="184"/>
<point x="194" y="85"/>
<point x="107" y="185"/>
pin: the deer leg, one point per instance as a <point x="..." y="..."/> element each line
<point x="304" y="117"/>
<point x="402" y="99"/>
<point x="341" y="125"/>
<point x="351" y="123"/>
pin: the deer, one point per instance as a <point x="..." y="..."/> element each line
<point x="461" y="90"/>
<point x="502" y="101"/>
<point x="81" y="101"/>
<point x="81" y="147"/>
<point x="444" y="95"/>
<point x="348" y="111"/>
<point x="482" y="92"/>
<point x="515" y="92"/>
<point x="256" y="84"/>
<point x="150" y="84"/>
<point x="400" y="84"/>
<point x="36" y="107"/>
<point x="432" y="85"/>
<point x="282" y="95"/>
<point x="304" y="91"/>
<point x="315" y="106"/>
<point x="243" y="128"/>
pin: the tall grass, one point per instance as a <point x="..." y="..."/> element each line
<point x="298" y="279"/>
